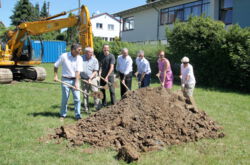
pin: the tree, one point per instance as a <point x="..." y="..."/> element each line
<point x="37" y="11"/>
<point x="149" y="1"/>
<point x="72" y="36"/>
<point x="23" y="12"/>
<point x="44" y="12"/>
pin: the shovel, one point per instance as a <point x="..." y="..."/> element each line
<point x="125" y="86"/>
<point x="100" y="87"/>
<point x="158" y="75"/>
<point x="109" y="83"/>
<point x="139" y="82"/>
<point x="93" y="94"/>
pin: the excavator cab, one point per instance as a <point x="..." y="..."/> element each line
<point x="26" y="53"/>
<point x="32" y="50"/>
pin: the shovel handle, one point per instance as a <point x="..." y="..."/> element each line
<point x="125" y="86"/>
<point x="71" y="86"/>
<point x="91" y="83"/>
<point x="105" y="80"/>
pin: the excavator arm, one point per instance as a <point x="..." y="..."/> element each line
<point x="82" y="21"/>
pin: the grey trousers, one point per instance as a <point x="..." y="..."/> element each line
<point x="87" y="88"/>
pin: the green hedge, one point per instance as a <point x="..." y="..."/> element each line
<point x="116" y="46"/>
<point x="220" y="56"/>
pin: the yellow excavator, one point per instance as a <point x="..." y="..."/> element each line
<point x="17" y="56"/>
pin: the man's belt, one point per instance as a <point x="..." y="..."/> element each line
<point x="71" y="78"/>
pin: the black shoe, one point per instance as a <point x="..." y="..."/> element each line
<point x="104" y="105"/>
<point x="78" y="118"/>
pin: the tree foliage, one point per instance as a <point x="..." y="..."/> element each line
<point x="37" y="11"/>
<point x="23" y="11"/>
<point x="72" y="34"/>
<point x="44" y="12"/>
<point x="149" y="1"/>
<point x="220" y="57"/>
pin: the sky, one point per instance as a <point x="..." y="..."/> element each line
<point x="58" y="6"/>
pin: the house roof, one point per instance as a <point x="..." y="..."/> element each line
<point x="98" y="15"/>
<point x="156" y="3"/>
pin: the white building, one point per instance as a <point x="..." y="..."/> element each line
<point x="147" y="23"/>
<point x="105" y="26"/>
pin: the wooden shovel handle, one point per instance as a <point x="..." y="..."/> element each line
<point x="105" y="80"/>
<point x="125" y="86"/>
<point x="90" y="83"/>
<point x="71" y="86"/>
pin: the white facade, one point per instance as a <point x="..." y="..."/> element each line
<point x="105" y="26"/>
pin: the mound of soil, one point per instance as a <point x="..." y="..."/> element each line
<point x="144" y="120"/>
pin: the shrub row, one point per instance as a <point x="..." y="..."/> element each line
<point x="220" y="56"/>
<point x="116" y="46"/>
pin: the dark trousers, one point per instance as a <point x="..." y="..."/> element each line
<point x="111" y="90"/>
<point x="128" y="82"/>
<point x="146" y="80"/>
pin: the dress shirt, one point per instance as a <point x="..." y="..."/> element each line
<point x="143" y="65"/>
<point x="124" y="65"/>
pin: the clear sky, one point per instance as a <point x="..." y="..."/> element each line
<point x="58" y="6"/>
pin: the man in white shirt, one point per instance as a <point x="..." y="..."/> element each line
<point x="143" y="73"/>
<point x="71" y="64"/>
<point x="125" y="67"/>
<point x="187" y="77"/>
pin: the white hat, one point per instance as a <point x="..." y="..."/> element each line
<point x="185" y="59"/>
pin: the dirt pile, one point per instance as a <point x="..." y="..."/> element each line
<point x="144" y="120"/>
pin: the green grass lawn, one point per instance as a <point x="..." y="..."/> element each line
<point x="29" y="110"/>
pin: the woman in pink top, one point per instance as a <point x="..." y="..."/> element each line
<point x="165" y="73"/>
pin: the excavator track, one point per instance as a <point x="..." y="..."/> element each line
<point x="6" y="76"/>
<point x="34" y="73"/>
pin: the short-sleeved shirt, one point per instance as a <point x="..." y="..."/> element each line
<point x="105" y="63"/>
<point x="188" y="71"/>
<point x="70" y="64"/>
<point x="89" y="66"/>
<point x="143" y="65"/>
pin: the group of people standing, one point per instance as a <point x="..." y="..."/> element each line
<point x="93" y="74"/>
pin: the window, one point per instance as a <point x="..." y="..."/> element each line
<point x="128" y="23"/>
<point x="98" y="25"/>
<point x="226" y="11"/>
<point x="105" y="38"/>
<point x="183" y="12"/>
<point x="110" y="27"/>
<point x="111" y="39"/>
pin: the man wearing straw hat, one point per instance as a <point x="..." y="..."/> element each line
<point x="71" y="64"/>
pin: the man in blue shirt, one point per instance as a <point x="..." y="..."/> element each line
<point x="90" y="71"/>
<point x="143" y="73"/>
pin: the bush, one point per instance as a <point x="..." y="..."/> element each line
<point x="116" y="46"/>
<point x="220" y="57"/>
<point x="237" y="47"/>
